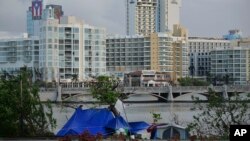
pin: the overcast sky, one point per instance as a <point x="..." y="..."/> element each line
<point x="208" y="18"/>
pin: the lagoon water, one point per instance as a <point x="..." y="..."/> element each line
<point x="135" y="112"/>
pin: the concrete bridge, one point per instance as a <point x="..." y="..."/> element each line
<point x="72" y="92"/>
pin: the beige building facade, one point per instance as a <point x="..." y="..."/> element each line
<point x="161" y="52"/>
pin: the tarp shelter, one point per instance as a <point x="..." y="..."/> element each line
<point x="138" y="126"/>
<point x="91" y="120"/>
<point x="97" y="121"/>
<point x="117" y="123"/>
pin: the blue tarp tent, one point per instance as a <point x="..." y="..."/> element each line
<point x="92" y="120"/>
<point x="135" y="127"/>
<point x="117" y="123"/>
<point x="97" y="121"/>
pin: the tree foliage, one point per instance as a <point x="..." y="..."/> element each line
<point x="21" y="111"/>
<point x="187" y="81"/>
<point x="107" y="90"/>
<point x="218" y="114"/>
<point x="156" y="117"/>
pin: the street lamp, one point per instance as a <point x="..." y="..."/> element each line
<point x="21" y="100"/>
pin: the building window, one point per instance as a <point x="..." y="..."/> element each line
<point x="76" y="30"/>
<point x="49" y="28"/>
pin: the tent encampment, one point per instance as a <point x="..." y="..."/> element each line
<point x="91" y="120"/>
<point x="96" y="121"/>
<point x="170" y="130"/>
<point x="117" y="123"/>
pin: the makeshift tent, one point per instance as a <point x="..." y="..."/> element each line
<point x="135" y="127"/>
<point x="97" y="121"/>
<point x="91" y="120"/>
<point x="170" y="130"/>
<point x="117" y="123"/>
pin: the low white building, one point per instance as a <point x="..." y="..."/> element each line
<point x="19" y="52"/>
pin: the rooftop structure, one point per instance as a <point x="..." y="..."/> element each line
<point x="233" y="35"/>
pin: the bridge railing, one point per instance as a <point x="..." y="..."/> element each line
<point x="146" y="89"/>
<point x="236" y="88"/>
<point x="189" y="88"/>
<point x="82" y="87"/>
<point x="76" y="89"/>
<point x="48" y="89"/>
<point x="86" y="84"/>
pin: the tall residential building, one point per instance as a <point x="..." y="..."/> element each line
<point x="37" y="12"/>
<point x="199" y="53"/>
<point x="19" y="52"/>
<point x="160" y="52"/>
<point x="168" y="15"/>
<point x="141" y="16"/>
<point x="180" y="46"/>
<point x="231" y="65"/>
<point x="128" y="53"/>
<point x="148" y="16"/>
<point x="61" y="51"/>
<point x="56" y="47"/>
<point x="34" y="15"/>
<point x="71" y="47"/>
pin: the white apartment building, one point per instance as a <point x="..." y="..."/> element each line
<point x="19" y="52"/>
<point x="61" y="51"/>
<point x="64" y="47"/>
<point x="71" y="47"/>
<point x="148" y="16"/>
<point x="231" y="64"/>
<point x="199" y="53"/>
<point x="38" y="11"/>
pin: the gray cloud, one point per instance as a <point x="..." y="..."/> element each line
<point x="215" y="17"/>
<point x="13" y="15"/>
<point x="201" y="17"/>
<point x="105" y="13"/>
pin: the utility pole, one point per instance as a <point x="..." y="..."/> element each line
<point x="21" y="104"/>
